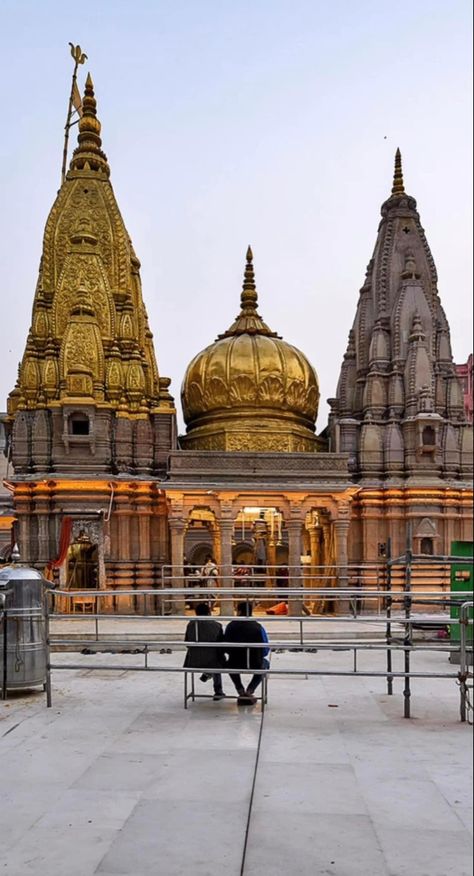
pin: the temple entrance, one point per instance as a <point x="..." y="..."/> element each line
<point x="82" y="572"/>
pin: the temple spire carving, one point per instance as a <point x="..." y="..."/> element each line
<point x="90" y="341"/>
<point x="398" y="187"/>
<point x="401" y="376"/>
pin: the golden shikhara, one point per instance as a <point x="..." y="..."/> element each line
<point x="250" y="390"/>
<point x="89" y="339"/>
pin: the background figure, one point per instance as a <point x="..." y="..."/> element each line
<point x="206" y="629"/>
<point x="246" y="658"/>
<point x="209" y="574"/>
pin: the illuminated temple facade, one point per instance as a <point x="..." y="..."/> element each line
<point x="92" y="424"/>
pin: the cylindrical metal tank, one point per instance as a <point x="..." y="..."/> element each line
<point x="23" y="594"/>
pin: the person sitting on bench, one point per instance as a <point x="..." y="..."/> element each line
<point x="206" y="629"/>
<point x="246" y="658"/>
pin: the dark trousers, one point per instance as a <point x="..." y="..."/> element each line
<point x="217" y="682"/>
<point x="237" y="682"/>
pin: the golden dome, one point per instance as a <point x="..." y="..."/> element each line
<point x="250" y="390"/>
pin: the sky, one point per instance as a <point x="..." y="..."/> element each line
<point x="233" y="122"/>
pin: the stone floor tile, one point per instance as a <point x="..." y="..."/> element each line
<point x="78" y="808"/>
<point x="308" y="787"/>
<point x="325" y="845"/>
<point x="204" y="775"/>
<point x="121" y="772"/>
<point x="47" y="852"/>
<point x="418" y="852"/>
<point x="399" y="803"/>
<point x="178" y="838"/>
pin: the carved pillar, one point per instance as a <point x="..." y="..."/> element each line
<point x="42" y="504"/>
<point x="25" y="538"/>
<point x="341" y="534"/>
<point x="271" y="562"/>
<point x="315" y="579"/>
<point x="123" y="569"/>
<point x="22" y="505"/>
<point x="144" y="574"/>
<point x="177" y="527"/>
<point x="226" y="533"/>
<point x="216" y="543"/>
<point x="294" y="526"/>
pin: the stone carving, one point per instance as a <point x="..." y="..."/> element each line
<point x="90" y="335"/>
<point x="83" y="272"/>
<point x="86" y="529"/>
<point x="399" y="363"/>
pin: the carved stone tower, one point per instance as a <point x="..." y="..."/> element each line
<point x="398" y="411"/>
<point x="91" y="421"/>
<point x="88" y="395"/>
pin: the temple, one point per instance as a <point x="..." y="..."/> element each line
<point x="105" y="494"/>
<point x="399" y="410"/>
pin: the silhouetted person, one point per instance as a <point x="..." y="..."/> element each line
<point x="206" y="629"/>
<point x="249" y="659"/>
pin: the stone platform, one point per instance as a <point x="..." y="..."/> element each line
<point x="117" y="778"/>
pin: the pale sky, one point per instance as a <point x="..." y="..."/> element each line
<point x="229" y="122"/>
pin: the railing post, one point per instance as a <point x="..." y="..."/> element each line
<point x="408" y="628"/>
<point x="388" y="628"/>
<point x="463" y="661"/>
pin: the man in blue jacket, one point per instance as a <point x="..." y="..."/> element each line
<point x="245" y="629"/>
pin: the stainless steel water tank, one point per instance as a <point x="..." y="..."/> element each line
<point x="23" y="592"/>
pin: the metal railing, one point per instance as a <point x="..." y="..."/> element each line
<point x="396" y="632"/>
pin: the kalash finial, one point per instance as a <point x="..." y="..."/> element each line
<point x="89" y="125"/>
<point x="398" y="187"/>
<point x="249" y="291"/>
<point x="88" y="154"/>
<point x="248" y="320"/>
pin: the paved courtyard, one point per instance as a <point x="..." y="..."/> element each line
<point x="117" y="778"/>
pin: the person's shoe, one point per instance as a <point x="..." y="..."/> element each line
<point x="205" y="677"/>
<point x="219" y="696"/>
<point x="246" y="699"/>
<point x="251" y="697"/>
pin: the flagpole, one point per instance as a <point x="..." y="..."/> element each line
<point x="79" y="58"/>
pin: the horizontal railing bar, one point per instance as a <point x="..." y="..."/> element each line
<point x="243" y="671"/>
<point x="237" y="592"/>
<point x="271" y="618"/>
<point x="287" y="644"/>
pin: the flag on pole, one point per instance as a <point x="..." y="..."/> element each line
<point x="77" y="99"/>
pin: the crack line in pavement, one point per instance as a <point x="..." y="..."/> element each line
<point x="247" y="828"/>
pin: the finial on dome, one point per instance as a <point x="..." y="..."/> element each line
<point x="398" y="187"/>
<point x="89" y="140"/>
<point x="249" y="292"/>
<point x="248" y="320"/>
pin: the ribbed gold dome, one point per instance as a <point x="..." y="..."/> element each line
<point x="250" y="390"/>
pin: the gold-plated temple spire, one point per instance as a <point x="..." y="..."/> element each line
<point x="88" y="154"/>
<point x="398" y="187"/>
<point x="248" y="320"/>
<point x="89" y="337"/>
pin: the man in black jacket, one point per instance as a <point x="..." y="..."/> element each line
<point x="206" y="629"/>
<point x="245" y="658"/>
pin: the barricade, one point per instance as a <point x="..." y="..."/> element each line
<point x="396" y="624"/>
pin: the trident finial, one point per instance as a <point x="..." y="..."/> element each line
<point x="398" y="188"/>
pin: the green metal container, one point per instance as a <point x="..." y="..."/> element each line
<point x="461" y="582"/>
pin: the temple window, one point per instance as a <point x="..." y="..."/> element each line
<point x="426" y="546"/>
<point x="79" y="424"/>
<point x="428" y="437"/>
